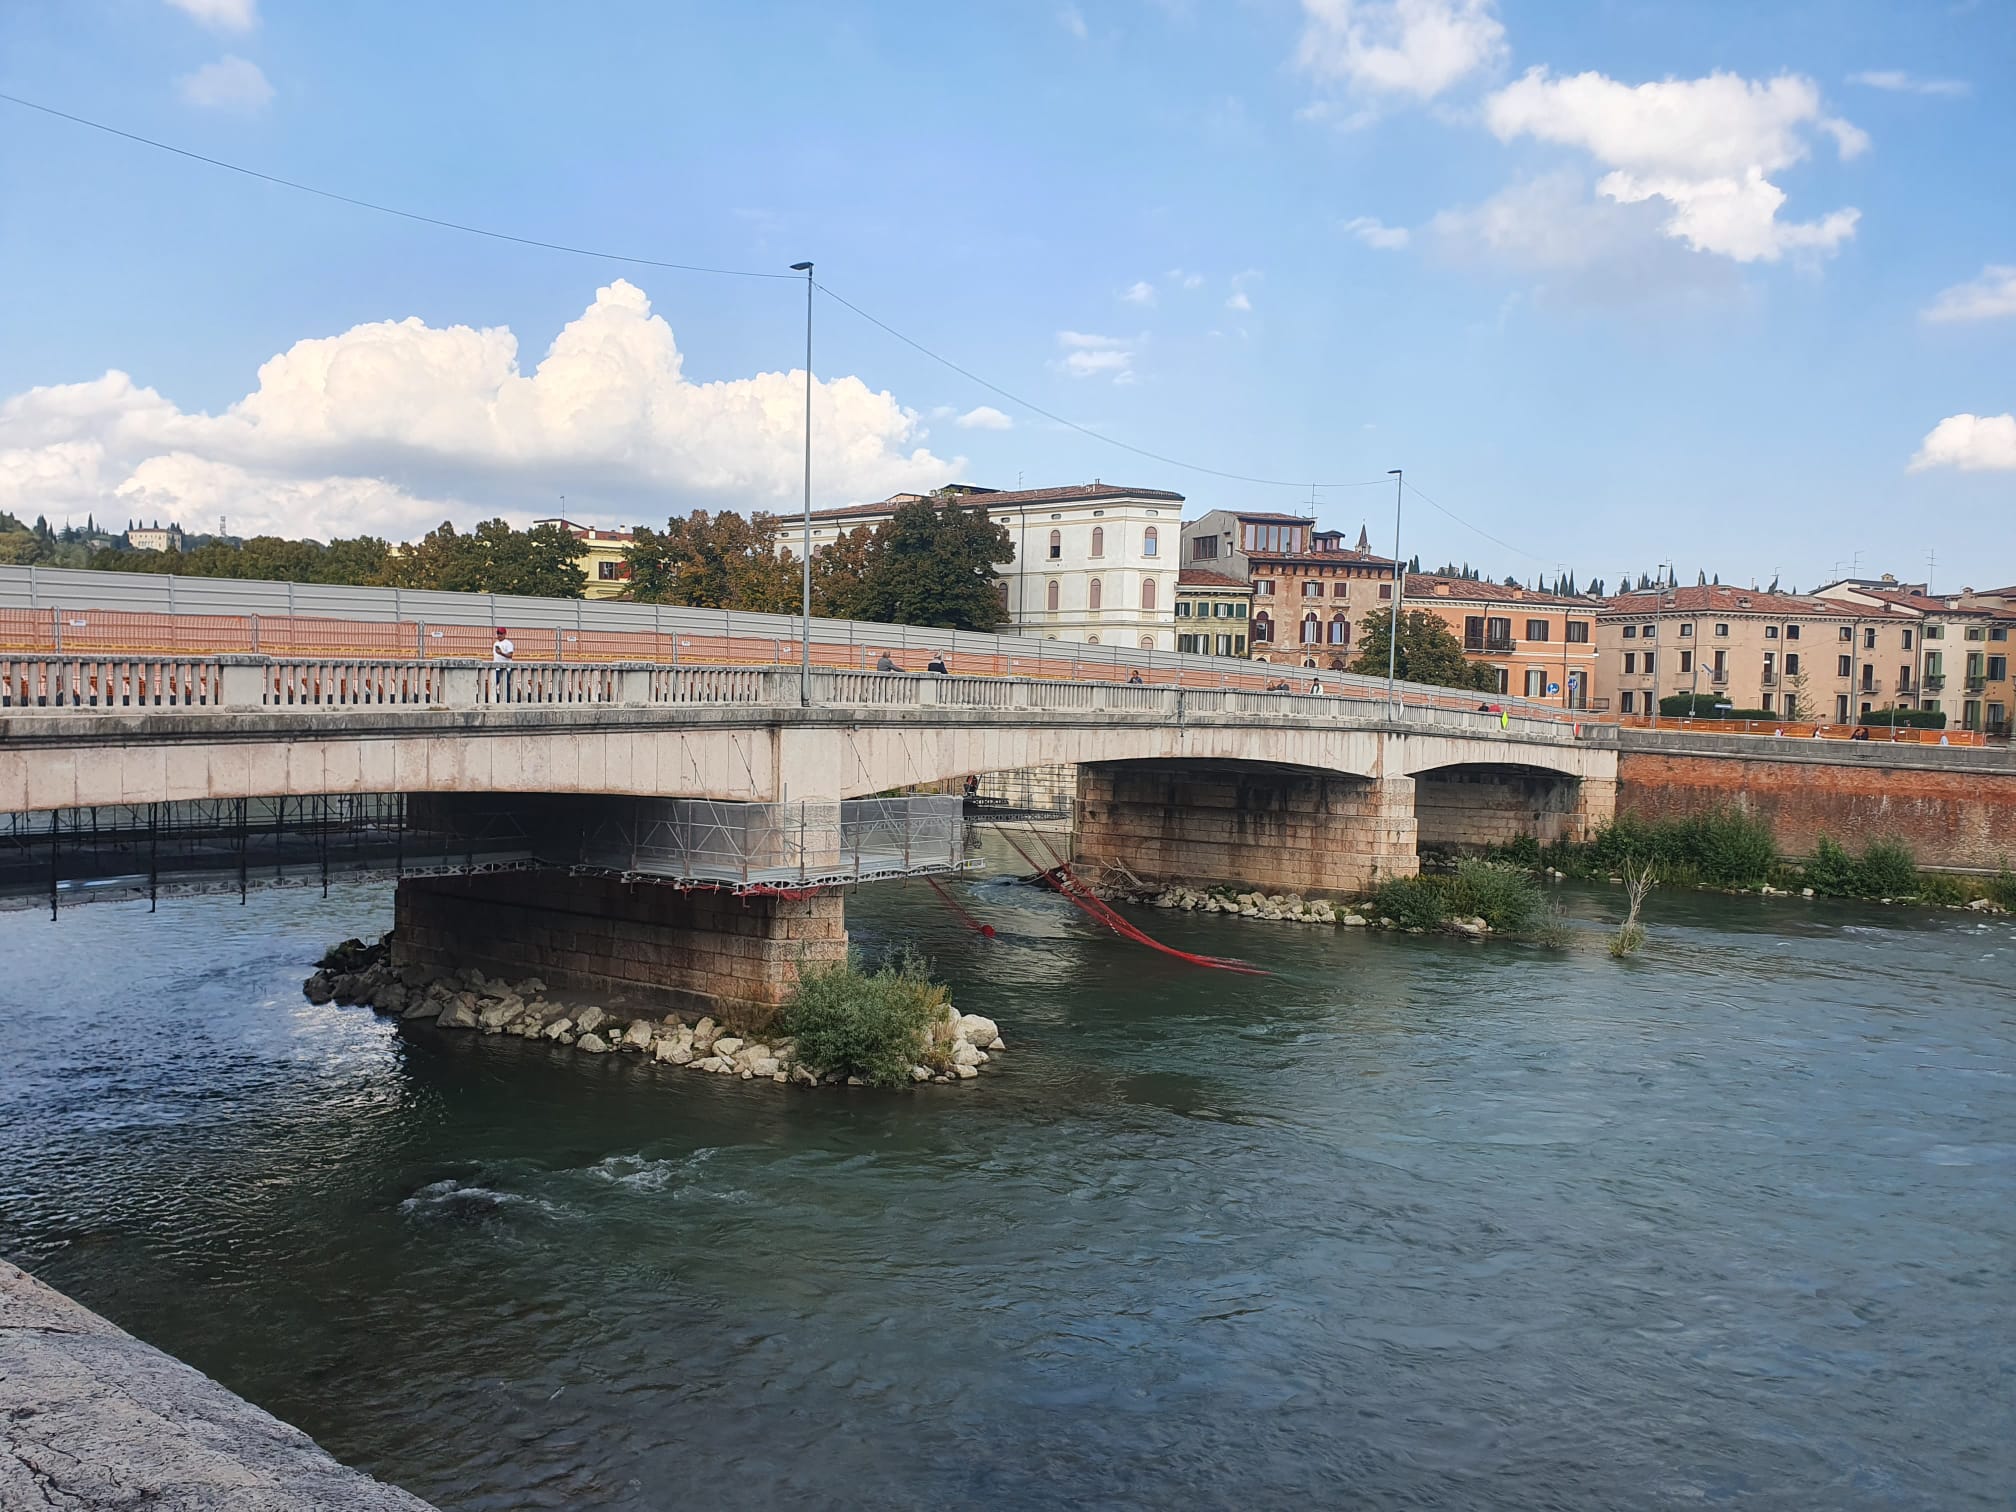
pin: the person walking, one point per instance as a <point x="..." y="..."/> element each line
<point x="886" y="663"/>
<point x="501" y="652"/>
<point x="1316" y="686"/>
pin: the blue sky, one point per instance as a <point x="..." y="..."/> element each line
<point x="1731" y="285"/>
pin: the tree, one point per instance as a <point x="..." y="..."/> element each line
<point x="934" y="563"/>
<point x="840" y="576"/>
<point x="713" y="562"/>
<point x="494" y="558"/>
<point x="1429" y="652"/>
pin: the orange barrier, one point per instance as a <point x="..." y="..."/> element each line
<point x="1805" y="730"/>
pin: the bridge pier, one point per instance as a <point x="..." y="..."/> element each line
<point x="1474" y="807"/>
<point x="1277" y="829"/>
<point x="735" y="956"/>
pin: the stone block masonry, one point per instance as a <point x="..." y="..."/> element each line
<point x="1476" y="807"/>
<point x="649" y="945"/>
<point x="1951" y="815"/>
<point x="1273" y="829"/>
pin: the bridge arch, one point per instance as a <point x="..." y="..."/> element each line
<point x="1475" y="805"/>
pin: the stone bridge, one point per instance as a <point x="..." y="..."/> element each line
<point x="1314" y="792"/>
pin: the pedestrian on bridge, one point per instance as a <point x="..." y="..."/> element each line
<point x="886" y="663"/>
<point x="936" y="664"/>
<point x="501" y="652"/>
<point x="1134" y="677"/>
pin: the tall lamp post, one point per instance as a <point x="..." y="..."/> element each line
<point x="1399" y="593"/>
<point x="805" y="562"/>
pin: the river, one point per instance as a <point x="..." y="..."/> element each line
<point x="1407" y="1223"/>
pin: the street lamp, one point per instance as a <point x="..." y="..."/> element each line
<point x="805" y="562"/>
<point x="1399" y="593"/>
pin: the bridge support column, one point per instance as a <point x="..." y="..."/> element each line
<point x="1273" y="829"/>
<point x="1473" y="808"/>
<point x="1595" y="807"/>
<point x="648" y="945"/>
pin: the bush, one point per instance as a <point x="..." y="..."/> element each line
<point x="1904" y="719"/>
<point x="2001" y="888"/>
<point x="874" y="1025"/>
<point x="1503" y="896"/>
<point x="1629" y="939"/>
<point x="1722" y="848"/>
<point x="1885" y="869"/>
<point x="1414" y="902"/>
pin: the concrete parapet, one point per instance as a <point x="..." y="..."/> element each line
<point x="92" y="1418"/>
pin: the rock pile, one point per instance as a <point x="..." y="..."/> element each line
<point x="961" y="1044"/>
<point x="1290" y="908"/>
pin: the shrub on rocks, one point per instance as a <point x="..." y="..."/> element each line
<point x="872" y="1025"/>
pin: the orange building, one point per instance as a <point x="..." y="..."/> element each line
<point x="1541" y="645"/>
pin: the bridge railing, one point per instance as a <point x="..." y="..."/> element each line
<point x="243" y="684"/>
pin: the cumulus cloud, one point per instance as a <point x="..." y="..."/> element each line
<point x="1899" y="82"/>
<point x="1374" y="233"/>
<point x="984" y="417"/>
<point x="394" y="426"/>
<point x="223" y="15"/>
<point x="1399" y="47"/>
<point x="1090" y="356"/>
<point x="1992" y="296"/>
<point x="1972" y="443"/>
<point x="1702" y="146"/>
<point x="1139" y="292"/>
<point x="230" y="83"/>
<point x="1239" y="301"/>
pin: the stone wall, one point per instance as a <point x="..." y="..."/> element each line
<point x="655" y="946"/>
<point x="1272" y="829"/>
<point x="1484" y="806"/>
<point x="1950" y="814"/>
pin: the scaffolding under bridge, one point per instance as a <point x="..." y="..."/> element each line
<point x="53" y="858"/>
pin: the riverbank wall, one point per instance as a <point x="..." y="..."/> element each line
<point x="1954" y="807"/>
<point x="92" y="1418"/>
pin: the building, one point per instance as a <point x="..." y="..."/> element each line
<point x="1094" y="562"/>
<point x="1953" y="657"/>
<point x="155" y="537"/>
<point x="1213" y="612"/>
<point x="1310" y="591"/>
<point x="1542" y="645"/>
<point x="1793" y="655"/>
<point x="607" y="568"/>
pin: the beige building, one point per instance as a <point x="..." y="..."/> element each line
<point x="155" y="537"/>
<point x="607" y="568"/>
<point x="1540" y="645"/>
<point x="1791" y="655"/>
<point x="1094" y="562"/>
<point x="1213" y="612"/>
<point x="1953" y="656"/>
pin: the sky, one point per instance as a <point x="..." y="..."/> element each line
<point x="1730" y="286"/>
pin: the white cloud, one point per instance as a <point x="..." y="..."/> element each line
<point x="1703" y="146"/>
<point x="1400" y="47"/>
<point x="1073" y="21"/>
<point x="1139" y="292"/>
<point x="1972" y="443"/>
<point x="1090" y="356"/>
<point x="1992" y="296"/>
<point x="230" y="83"/>
<point x="224" y="15"/>
<point x="1898" y="82"/>
<point x="1370" y="230"/>
<point x="985" y="417"/>
<point x="1239" y="301"/>
<point x="393" y="426"/>
<point x="1186" y="280"/>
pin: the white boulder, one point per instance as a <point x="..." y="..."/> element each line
<point x="594" y="1044"/>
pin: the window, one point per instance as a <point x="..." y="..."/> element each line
<point x="1183" y="609"/>
<point x="1498" y="634"/>
<point x="1187" y="642"/>
<point x="1239" y="610"/>
<point x="1935" y="664"/>
<point x="1149" y="541"/>
<point x="1264" y="587"/>
<point x="1578" y="633"/>
<point x="1312" y="590"/>
<point x="1998" y="632"/>
<point x="1202" y="549"/>
<point x="1228" y="645"/>
<point x="1147" y="643"/>
<point x="1770" y="632"/>
<point x="1767" y="702"/>
<point x="1340" y="630"/>
<point x="1687" y="630"/>
<point x="1630" y="632"/>
<point x="1649" y="631"/>
<point x="1537" y="630"/>
<point x="608" y="571"/>
<point x="1722" y="629"/>
<point x="1686" y="661"/>
<point x="1847" y="633"/>
<point x="1791" y="632"/>
<point x="1056" y="544"/>
<point x="1844" y="666"/>
<point x="1091" y="640"/>
<point x="1770" y="666"/>
<point x="1340" y="590"/>
<point x="1648" y="663"/>
<point x="1536" y="683"/>
<point x="1935" y="632"/>
<point x="1627" y="702"/>
<point x="1312" y="629"/>
<point x="1385" y="590"/>
<point x="1976" y="632"/>
<point x="1263" y="628"/>
<point x="1050" y="596"/>
<point x="1869" y="638"/>
<point x="1099" y="541"/>
<point x="1791" y="663"/>
<point x="1147" y="593"/>
<point x="1098" y="591"/>
<point x="1998" y="668"/>
<point x="1630" y="663"/>
<point x="1907" y="640"/>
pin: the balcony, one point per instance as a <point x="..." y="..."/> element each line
<point x="1976" y="684"/>
<point x="1770" y="679"/>
<point x="1493" y="644"/>
<point x="1934" y="681"/>
<point x="1718" y="676"/>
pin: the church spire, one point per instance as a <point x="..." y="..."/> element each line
<point x="1364" y="540"/>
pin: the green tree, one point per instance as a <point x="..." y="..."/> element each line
<point x="713" y="562"/>
<point x="936" y="564"/>
<point x="840" y="575"/>
<point x="1429" y="652"/>
<point x="494" y="558"/>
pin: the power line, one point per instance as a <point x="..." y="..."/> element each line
<point x="372" y="205"/>
<point x="1084" y="430"/>
<point x="1439" y="509"/>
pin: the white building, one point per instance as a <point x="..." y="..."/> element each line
<point x="155" y="537"/>
<point x="1094" y="562"/>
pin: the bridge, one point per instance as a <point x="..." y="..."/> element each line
<point x="681" y="831"/>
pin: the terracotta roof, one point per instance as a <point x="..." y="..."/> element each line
<point x="1274" y="519"/>
<point x="1890" y="597"/>
<point x="1073" y="493"/>
<point x="1204" y="577"/>
<point x="1723" y="599"/>
<point x="1423" y="585"/>
<point x="1318" y="558"/>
